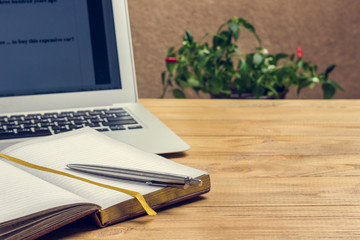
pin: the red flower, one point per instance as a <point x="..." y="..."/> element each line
<point x="171" y="60"/>
<point x="299" y="52"/>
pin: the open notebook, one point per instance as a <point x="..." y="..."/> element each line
<point x="34" y="202"/>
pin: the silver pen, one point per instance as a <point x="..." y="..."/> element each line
<point x="147" y="177"/>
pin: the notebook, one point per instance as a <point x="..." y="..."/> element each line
<point x="35" y="200"/>
<point x="69" y="64"/>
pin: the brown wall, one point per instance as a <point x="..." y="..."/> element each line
<point x="327" y="30"/>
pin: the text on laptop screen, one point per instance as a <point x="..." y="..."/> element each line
<point x="56" y="46"/>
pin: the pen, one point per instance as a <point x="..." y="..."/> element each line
<point x="147" y="177"/>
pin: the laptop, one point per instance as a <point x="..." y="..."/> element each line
<point x="69" y="64"/>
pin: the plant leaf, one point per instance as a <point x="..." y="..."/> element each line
<point x="329" y="90"/>
<point x="335" y="85"/>
<point x="258" y="58"/>
<point x="171" y="67"/>
<point x="218" y="40"/>
<point x="235" y="29"/>
<point x="163" y="78"/>
<point x="171" y="52"/>
<point x="292" y="57"/>
<point x="169" y="82"/>
<point x="280" y="56"/>
<point x="178" y="93"/>
<point x="249" y="27"/>
<point x="329" y="70"/>
<point x="221" y="26"/>
<point x="188" y="37"/>
<point x="193" y="82"/>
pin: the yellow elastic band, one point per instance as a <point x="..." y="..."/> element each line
<point x="137" y="195"/>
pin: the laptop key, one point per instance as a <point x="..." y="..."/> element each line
<point x="6" y="134"/>
<point x="78" y="126"/>
<point x="13" y="127"/>
<point x="61" y="130"/>
<point x="97" y="120"/>
<point x="93" y="125"/>
<point x="41" y="120"/>
<point x="35" y="115"/>
<point x="117" y="128"/>
<point x="102" y="129"/>
<point x="135" y="127"/>
<point x="58" y="129"/>
<point x="119" y="122"/>
<point x="90" y="117"/>
<point x="23" y="133"/>
<point x="108" y="115"/>
<point x="66" y="123"/>
<point x="45" y="125"/>
<point x="116" y="109"/>
<point x="115" y="119"/>
<point x="42" y="131"/>
<point x="120" y="114"/>
<point x="24" y="122"/>
<point x="28" y="117"/>
<point x="79" y="114"/>
<point x="16" y="117"/>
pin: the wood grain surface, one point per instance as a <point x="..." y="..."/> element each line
<point x="280" y="169"/>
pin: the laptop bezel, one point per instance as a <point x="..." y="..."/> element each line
<point x="128" y="93"/>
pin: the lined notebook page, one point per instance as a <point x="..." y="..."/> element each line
<point x="87" y="146"/>
<point x="24" y="194"/>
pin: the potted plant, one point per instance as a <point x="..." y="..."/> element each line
<point x="221" y="70"/>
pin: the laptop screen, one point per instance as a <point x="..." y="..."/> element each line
<point x="57" y="46"/>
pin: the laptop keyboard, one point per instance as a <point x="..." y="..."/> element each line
<point x="33" y="125"/>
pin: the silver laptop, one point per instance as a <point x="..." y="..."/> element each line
<point x="69" y="64"/>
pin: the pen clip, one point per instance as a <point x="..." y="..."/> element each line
<point x="188" y="181"/>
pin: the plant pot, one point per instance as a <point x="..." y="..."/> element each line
<point x="245" y="96"/>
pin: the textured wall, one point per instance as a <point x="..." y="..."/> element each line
<point x="327" y="30"/>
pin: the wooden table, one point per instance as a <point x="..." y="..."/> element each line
<point x="283" y="169"/>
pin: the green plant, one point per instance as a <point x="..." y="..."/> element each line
<point x="220" y="69"/>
